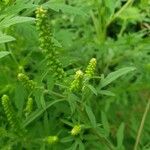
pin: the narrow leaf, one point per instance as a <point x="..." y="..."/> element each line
<point x="7" y="22"/>
<point x="92" y="88"/>
<point x="105" y="123"/>
<point x="91" y="115"/>
<point x="120" y="135"/>
<point x="116" y="74"/>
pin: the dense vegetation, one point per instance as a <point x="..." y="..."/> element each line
<point x="74" y="74"/>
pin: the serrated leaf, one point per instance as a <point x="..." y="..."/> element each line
<point x="131" y="13"/>
<point x="91" y="115"/>
<point x="8" y="21"/>
<point x="6" y="38"/>
<point x="115" y="75"/>
<point x="120" y="135"/>
<point x="65" y="8"/>
<point x="3" y="54"/>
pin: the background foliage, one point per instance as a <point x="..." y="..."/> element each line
<point x="108" y="113"/>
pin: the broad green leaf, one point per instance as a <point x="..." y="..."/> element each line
<point x="19" y="6"/>
<point x="91" y="115"/>
<point x="115" y="75"/>
<point x="6" y="38"/>
<point x="8" y="21"/>
<point x="105" y="123"/>
<point x="120" y="135"/>
<point x="3" y="54"/>
<point x="65" y="8"/>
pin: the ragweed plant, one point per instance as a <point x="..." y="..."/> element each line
<point x="86" y="111"/>
<point x="46" y="43"/>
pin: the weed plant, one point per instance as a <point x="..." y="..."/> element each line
<point x="74" y="75"/>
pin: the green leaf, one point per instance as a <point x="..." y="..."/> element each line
<point x="120" y="135"/>
<point x="66" y="139"/>
<point x="111" y="4"/>
<point x="65" y="8"/>
<point x="91" y="115"/>
<point x="107" y="93"/>
<point x="115" y="75"/>
<point x="105" y="123"/>
<point x="6" y="38"/>
<point x="92" y="88"/>
<point x="18" y="6"/>
<point x="39" y="112"/>
<point x="132" y="14"/>
<point x="8" y="21"/>
<point x="3" y="54"/>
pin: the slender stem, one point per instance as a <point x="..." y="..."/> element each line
<point x="104" y="140"/>
<point x="122" y="28"/>
<point x="12" y="55"/>
<point x="119" y="12"/>
<point x="142" y="125"/>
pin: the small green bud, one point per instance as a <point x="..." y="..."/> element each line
<point x="29" y="106"/>
<point x="76" y="85"/>
<point x="76" y="130"/>
<point x="51" y="139"/>
<point x="26" y="81"/>
<point x="89" y="72"/>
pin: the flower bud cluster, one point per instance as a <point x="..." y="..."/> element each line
<point x="89" y="72"/>
<point x="9" y="112"/>
<point x="76" y="130"/>
<point x="76" y="85"/>
<point x="51" y="139"/>
<point x="29" y="84"/>
<point x="47" y="44"/>
<point x="29" y="106"/>
<point x="80" y="78"/>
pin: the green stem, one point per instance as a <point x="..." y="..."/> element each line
<point x="129" y="2"/>
<point x="12" y="55"/>
<point x="104" y="140"/>
<point x="142" y="125"/>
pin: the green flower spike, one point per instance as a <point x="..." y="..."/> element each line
<point x="30" y="84"/>
<point x="89" y="72"/>
<point x="9" y="112"/>
<point x="51" y="139"/>
<point x="47" y="45"/>
<point x="29" y="106"/>
<point x="76" y="85"/>
<point x="76" y="130"/>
